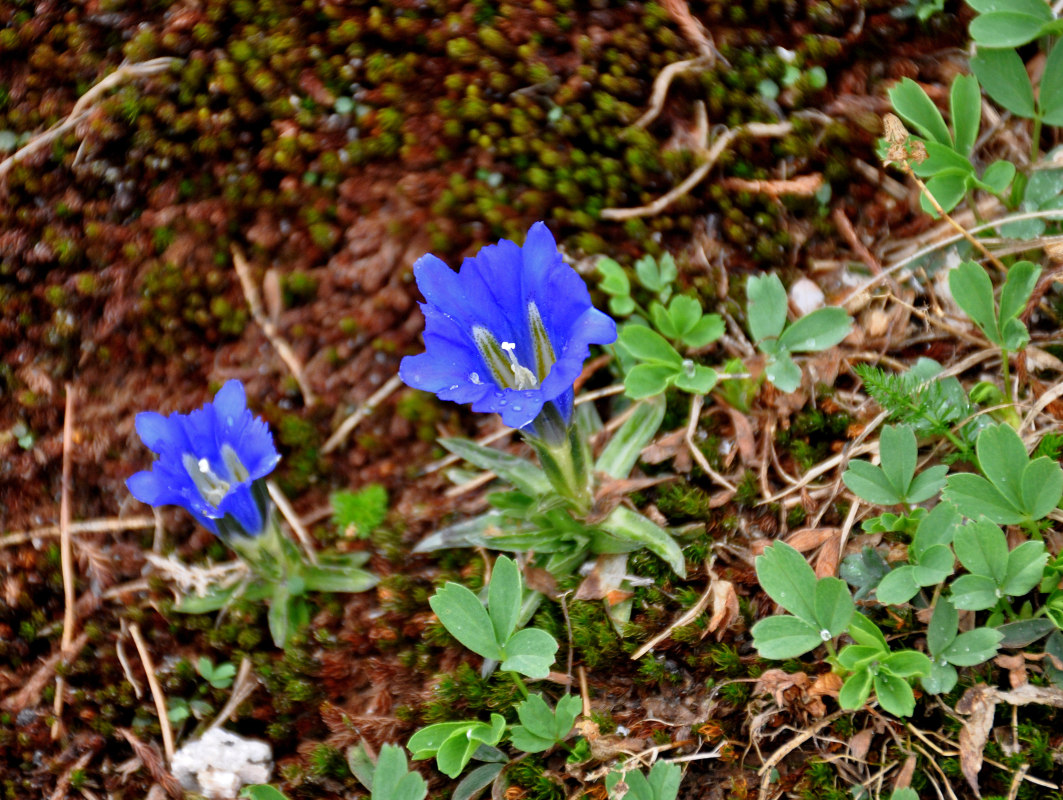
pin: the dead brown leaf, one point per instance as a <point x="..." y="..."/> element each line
<point x="978" y="704"/>
<point x="724" y="607"/>
<point x="745" y="441"/>
<point x="1016" y="667"/>
<point x="604" y="577"/>
<point x="860" y="743"/>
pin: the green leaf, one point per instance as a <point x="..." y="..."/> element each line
<point x="662" y="320"/>
<point x="685" y="313"/>
<point x="927" y="484"/>
<point x="899" y="454"/>
<point x="783" y="372"/>
<point x="623" y="450"/>
<point x="517" y="471"/>
<point x="624" y="523"/>
<point x="647" y="380"/>
<point x="698" y="380"/>
<point x="462" y="614"/>
<point x="997" y="177"/>
<point x="614" y="279"/>
<point x="871" y="484"/>
<point x="648" y="345"/>
<point x="1026" y="565"/>
<point x="708" y="329"/>
<point x="454" y="755"/>
<point x="973" y="647"/>
<point x="866" y="632"/>
<point x="621" y="305"/>
<point x="899" y="586"/>
<point x="332" y="579"/>
<point x="766" y="308"/>
<point x="976" y="497"/>
<point x="943" y="158"/>
<point x="855" y="691"/>
<point x="941" y="679"/>
<point x="425" y="742"/>
<point x="914" y="107"/>
<point x="983" y="549"/>
<point x="974" y="592"/>
<point x="504" y="596"/>
<point x="856" y="657"/>
<point x="821" y="329"/>
<point x="1019" y="285"/>
<point x="906" y="663"/>
<point x="894" y="694"/>
<point x="864" y="571"/>
<point x="1004" y="78"/>
<point x="530" y="652"/>
<point x="934" y="565"/>
<point x="948" y="188"/>
<point x="288" y="614"/>
<point x="944" y="623"/>
<point x="1025" y="632"/>
<point x="262" y="791"/>
<point x="783" y="637"/>
<point x="1003" y="459"/>
<point x="664" y="779"/>
<point x="834" y="606"/>
<point x="1034" y="8"/>
<point x="1005" y="29"/>
<point x="1041" y="487"/>
<point x="788" y="580"/>
<point x="1051" y="94"/>
<point x="476" y="781"/>
<point x="212" y="601"/>
<point x="392" y="779"/>
<point x="965" y="104"/>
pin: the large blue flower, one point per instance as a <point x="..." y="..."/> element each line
<point x="208" y="462"/>
<point x="509" y="332"/>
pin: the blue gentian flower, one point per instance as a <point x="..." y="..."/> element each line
<point x="210" y="462"/>
<point x="508" y="333"/>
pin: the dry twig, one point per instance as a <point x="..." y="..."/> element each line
<point x="66" y="553"/>
<point x="254" y="303"/>
<point x="83" y="107"/>
<point x="156" y="693"/>
<point x="360" y="413"/>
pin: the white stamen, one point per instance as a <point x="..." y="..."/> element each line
<point x="204" y="466"/>
<point x="475" y="378"/>
<point x="523" y="376"/>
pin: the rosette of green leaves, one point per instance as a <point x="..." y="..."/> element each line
<point x="950" y="649"/>
<point x="492" y="632"/>
<point x="661" y="783"/>
<point x="872" y="664"/>
<point x="895" y="481"/>
<point x="542" y="727"/>
<point x="947" y="167"/>
<point x="1015" y="490"/>
<point x="821" y="607"/>
<point x="995" y="572"/>
<point x="973" y="291"/>
<point x="455" y="743"/>
<point x="930" y="559"/>
<point x="766" y="316"/>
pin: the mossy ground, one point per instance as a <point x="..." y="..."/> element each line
<point x="334" y="143"/>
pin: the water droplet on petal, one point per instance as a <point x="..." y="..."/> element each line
<point x="229" y="421"/>
<point x="517" y="408"/>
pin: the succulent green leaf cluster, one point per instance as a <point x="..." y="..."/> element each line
<point x="930" y="559"/>
<point x="455" y="743"/>
<point x="949" y="648"/>
<point x="948" y="166"/>
<point x="872" y="664"/>
<point x="492" y="632"/>
<point x="1015" y="490"/>
<point x="766" y="313"/>
<point x="542" y="727"/>
<point x="973" y="291"/>
<point x="895" y="481"/>
<point x="660" y="783"/>
<point x="821" y="607"/>
<point x="659" y="365"/>
<point x="994" y="571"/>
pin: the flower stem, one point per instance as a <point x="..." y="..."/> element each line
<point x="565" y="459"/>
<point x="519" y="683"/>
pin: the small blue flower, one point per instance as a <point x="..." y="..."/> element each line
<point x="208" y="462"/>
<point x="509" y="332"/>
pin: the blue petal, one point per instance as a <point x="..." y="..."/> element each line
<point x="155" y="430"/>
<point x="494" y="289"/>
<point x="241" y="504"/>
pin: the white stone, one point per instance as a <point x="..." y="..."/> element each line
<point x="805" y="296"/>
<point x="220" y="763"/>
